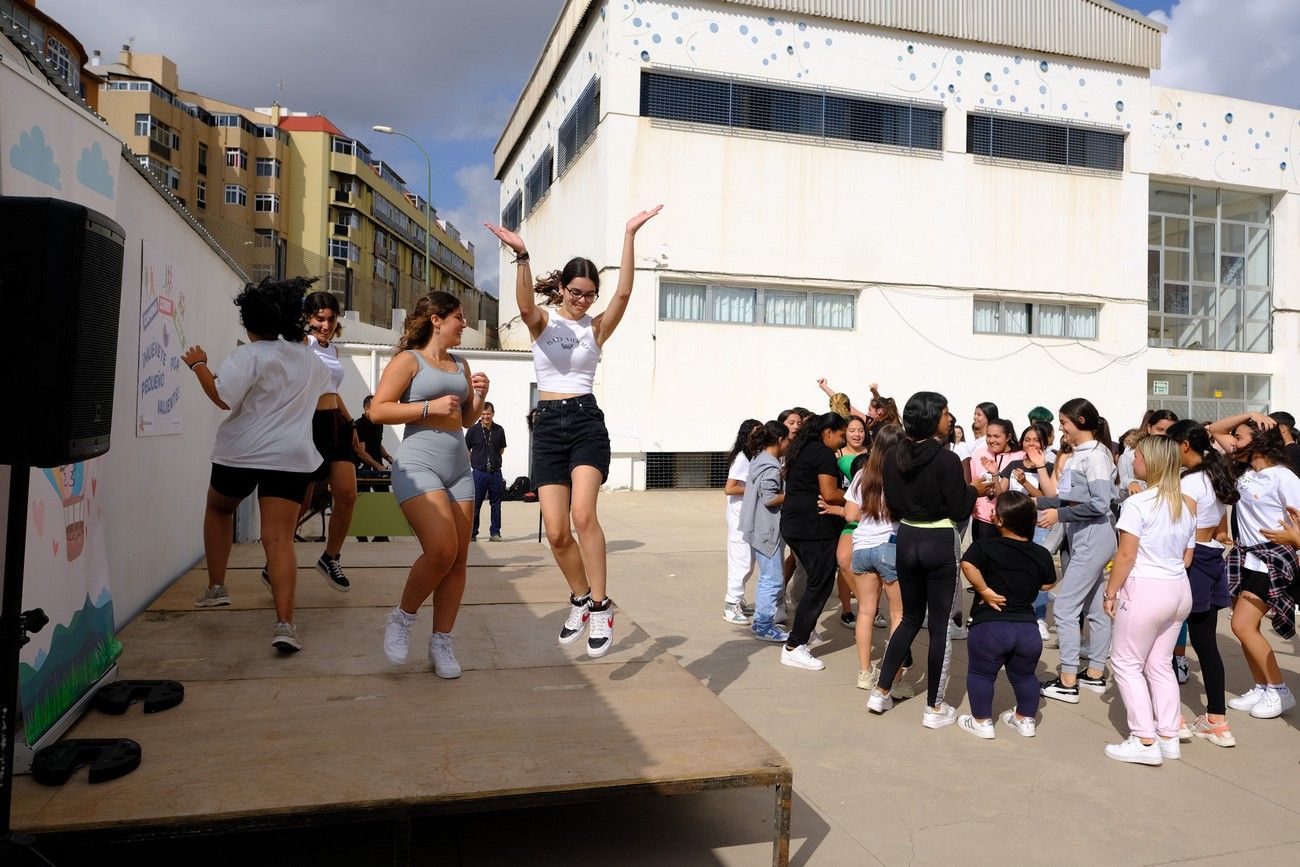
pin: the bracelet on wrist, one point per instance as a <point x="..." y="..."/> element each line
<point x="521" y="258"/>
<point x="197" y="363"/>
<point x="425" y="412"/>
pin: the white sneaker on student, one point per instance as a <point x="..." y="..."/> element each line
<point x="1042" y="631"/>
<point x="977" y="728"/>
<point x="1274" y="703"/>
<point x="600" y="629"/>
<point x="957" y="633"/>
<point x="576" y="623"/>
<point x="1170" y="748"/>
<point x="877" y="703"/>
<point x="1134" y="751"/>
<point x="442" y="657"/>
<point x="734" y="612"/>
<point x="937" y="718"/>
<point x="1248" y="699"/>
<point x="1027" y="726"/>
<point x="397" y="635"/>
<point x="799" y="657"/>
<point x="880" y="622"/>
<point x="285" y="638"/>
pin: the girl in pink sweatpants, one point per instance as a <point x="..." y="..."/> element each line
<point x="1149" y="597"/>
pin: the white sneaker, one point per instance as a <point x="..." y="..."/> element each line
<point x="1273" y="704"/>
<point x="877" y="703"/>
<point x="397" y="635"/>
<point x="937" y="718"/>
<point x="870" y="678"/>
<point x="957" y="633"/>
<point x="734" y="612"/>
<point x="880" y="622"/>
<point x="1170" y="748"/>
<point x="214" y="596"/>
<point x="576" y="622"/>
<point x="600" y="630"/>
<point x="442" y="657"/>
<point x="978" y="729"/>
<point x="1042" y="630"/>
<point x="285" y="638"/>
<point x="780" y="615"/>
<point x="801" y="658"/>
<point x="1134" y="751"/>
<point x="1027" y="726"/>
<point x="1247" y="700"/>
<point x="816" y="639"/>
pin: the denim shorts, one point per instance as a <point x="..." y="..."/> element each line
<point x="566" y="434"/>
<point x="882" y="559"/>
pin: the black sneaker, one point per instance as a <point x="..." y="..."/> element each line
<point x="333" y="572"/>
<point x="1096" y="684"/>
<point x="1059" y="691"/>
<point x="848" y="620"/>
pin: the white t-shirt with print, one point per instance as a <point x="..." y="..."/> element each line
<point x="869" y="533"/>
<point x="1265" y="494"/>
<point x="271" y="387"/>
<point x="1162" y="541"/>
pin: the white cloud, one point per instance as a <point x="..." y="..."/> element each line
<point x="480" y="204"/>
<point x="1249" y="50"/>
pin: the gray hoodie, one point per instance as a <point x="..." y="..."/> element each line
<point x="760" y="525"/>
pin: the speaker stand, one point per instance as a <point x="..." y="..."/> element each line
<point x="14" y="626"/>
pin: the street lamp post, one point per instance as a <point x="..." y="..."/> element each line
<point x="428" y="189"/>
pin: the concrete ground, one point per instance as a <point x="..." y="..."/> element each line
<point x="868" y="789"/>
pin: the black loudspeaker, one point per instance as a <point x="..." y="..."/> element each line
<point x="61" y="290"/>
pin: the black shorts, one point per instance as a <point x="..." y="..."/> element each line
<point x="331" y="433"/>
<point x="238" y="482"/>
<point x="1255" y="582"/>
<point x="566" y="434"/>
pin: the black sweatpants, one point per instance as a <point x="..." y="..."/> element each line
<point x="927" y="581"/>
<point x="1202" y="632"/>
<point x="818" y="559"/>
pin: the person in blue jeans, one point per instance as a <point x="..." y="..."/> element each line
<point x="486" y="442"/>
<point x="760" y="524"/>
<point x="1007" y="573"/>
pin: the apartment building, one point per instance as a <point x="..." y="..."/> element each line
<point x="62" y="50"/>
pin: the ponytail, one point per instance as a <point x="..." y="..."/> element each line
<point x="1212" y="463"/>
<point x="552" y="285"/>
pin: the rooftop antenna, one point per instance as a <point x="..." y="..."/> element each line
<point x="279" y="87"/>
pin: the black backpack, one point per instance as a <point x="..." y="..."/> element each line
<point x="520" y="489"/>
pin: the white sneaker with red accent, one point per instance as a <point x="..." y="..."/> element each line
<point x="600" y="629"/>
<point x="576" y="623"/>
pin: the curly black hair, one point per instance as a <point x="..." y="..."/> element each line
<point x="273" y="308"/>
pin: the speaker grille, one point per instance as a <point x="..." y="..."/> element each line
<point x="95" y="358"/>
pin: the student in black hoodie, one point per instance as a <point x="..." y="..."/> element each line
<point x="926" y="491"/>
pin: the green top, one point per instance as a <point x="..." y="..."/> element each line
<point x="846" y="466"/>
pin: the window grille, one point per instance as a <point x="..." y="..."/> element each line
<point x="1064" y="144"/>
<point x="513" y="214"/>
<point x="1208" y="395"/>
<point x="683" y="470"/>
<point x="538" y="182"/>
<point x="804" y="112"/>
<point x="578" y="127"/>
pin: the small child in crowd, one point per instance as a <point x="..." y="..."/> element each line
<point x="1007" y="573"/>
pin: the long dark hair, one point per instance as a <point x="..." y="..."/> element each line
<point x="1007" y="428"/>
<point x="812" y="430"/>
<point x="552" y="285"/>
<point x="763" y="435"/>
<point x="273" y="308"/>
<point x="316" y="301"/>
<point x="888" y="413"/>
<point x="742" y="440"/>
<point x="1159" y="415"/>
<point x="921" y="416"/>
<point x="1212" y="463"/>
<point x="418" y="327"/>
<point x="869" y="484"/>
<point x="1267" y="444"/>
<point x="990" y="410"/>
<point x="1084" y="416"/>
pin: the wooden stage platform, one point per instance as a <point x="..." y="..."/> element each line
<point x="336" y="733"/>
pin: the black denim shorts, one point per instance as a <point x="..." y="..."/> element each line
<point x="238" y="482"/>
<point x="566" y="434"/>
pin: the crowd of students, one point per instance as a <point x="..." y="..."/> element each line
<point x="1155" y="536"/>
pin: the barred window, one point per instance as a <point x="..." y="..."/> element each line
<point x="513" y="214"/>
<point x="538" y="182"/>
<point x="749" y="305"/>
<point x="1062" y="144"/>
<point x="578" y="127"/>
<point x="816" y="113"/>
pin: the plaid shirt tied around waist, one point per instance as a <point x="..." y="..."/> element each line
<point x="1283" y="571"/>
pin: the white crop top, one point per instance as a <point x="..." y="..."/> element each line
<point x="565" y="355"/>
<point x="329" y="356"/>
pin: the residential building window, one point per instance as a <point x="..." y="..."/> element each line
<point x="236" y="158"/>
<point x="816" y="113"/>
<point x="513" y="214"/>
<point x="1209" y="268"/>
<point x="1064" y="144"/>
<point x="750" y="305"/>
<point x="1206" y="395"/>
<point x="201" y="194"/>
<point x="538" y="182"/>
<point x="1039" y="319"/>
<point x="266" y="203"/>
<point x="172" y="177"/>
<point x="578" y="127"/>
<point x="236" y="195"/>
<point x="268" y="167"/>
<point x="340" y="249"/>
<point x="265" y="131"/>
<point x="347" y="146"/>
<point x="142" y="124"/>
<point x="59" y="56"/>
<point x="203" y="158"/>
<point x="227" y="119"/>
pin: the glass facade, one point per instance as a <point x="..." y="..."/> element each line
<point x="1206" y="395"/>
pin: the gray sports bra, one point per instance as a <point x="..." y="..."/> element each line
<point x="430" y="383"/>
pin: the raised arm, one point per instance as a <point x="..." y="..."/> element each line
<point x="530" y="314"/>
<point x="606" y="322"/>
<point x="197" y="360"/>
<point x="1222" y="429"/>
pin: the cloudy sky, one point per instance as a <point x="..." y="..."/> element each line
<point x="448" y="71"/>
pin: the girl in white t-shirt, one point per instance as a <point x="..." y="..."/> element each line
<point x="1148" y="597"/>
<point x="740" y="557"/>
<point x="270" y="386"/>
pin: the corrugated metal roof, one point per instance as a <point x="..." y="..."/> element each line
<point x="1093" y="29"/>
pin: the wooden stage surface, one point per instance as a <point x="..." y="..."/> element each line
<point x="335" y="732"/>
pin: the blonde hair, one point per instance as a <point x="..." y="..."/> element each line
<point x="1163" y="464"/>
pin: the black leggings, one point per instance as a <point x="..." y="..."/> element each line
<point x="927" y="580"/>
<point x="818" y="559"/>
<point x="1201" y="630"/>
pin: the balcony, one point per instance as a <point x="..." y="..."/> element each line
<point x="345" y="197"/>
<point x="340" y="230"/>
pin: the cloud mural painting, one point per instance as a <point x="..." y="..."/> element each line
<point x="93" y="171"/>
<point x="34" y="158"/>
